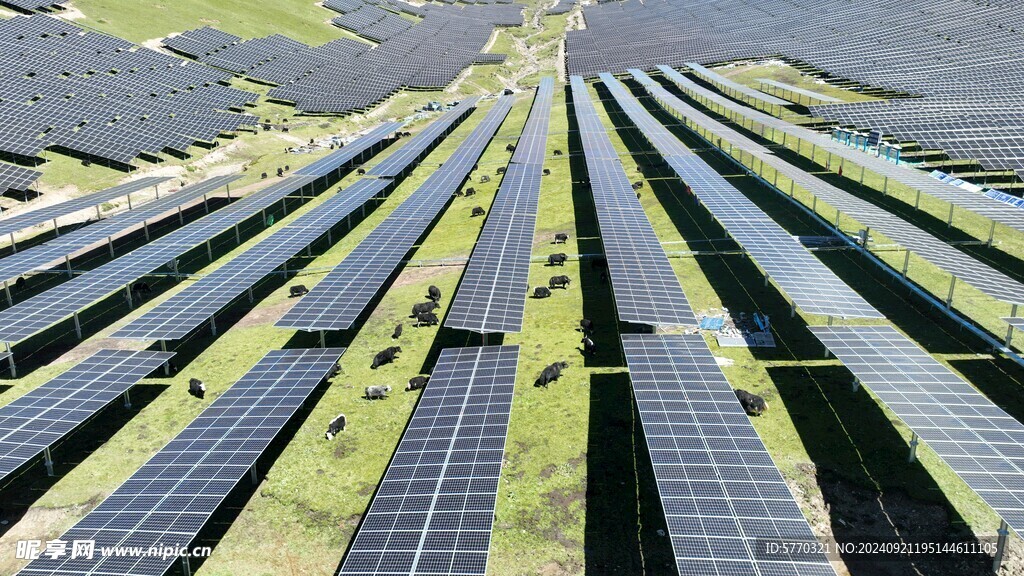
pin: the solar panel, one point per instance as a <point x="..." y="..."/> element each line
<point x="46" y="254"/>
<point x="747" y="91"/>
<point x="797" y="90"/>
<point x="336" y="302"/>
<point x="45" y="415"/>
<point x="434" y="509"/>
<point x="46" y="309"/>
<point x="47" y="213"/>
<point x="973" y="436"/>
<point x="492" y="294"/>
<point x="16" y="177"/>
<point x="812" y="285"/>
<point x="338" y="158"/>
<point x="188" y="309"/>
<point x="1015" y="322"/>
<point x="913" y="178"/>
<point x="645" y="286"/>
<point x="978" y="274"/>
<point x="169" y="499"/>
<point x="723" y="496"/>
<point x="415" y="149"/>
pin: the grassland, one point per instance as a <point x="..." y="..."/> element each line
<point x="576" y="494"/>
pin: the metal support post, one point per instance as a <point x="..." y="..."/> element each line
<point x="253" y="476"/>
<point x="323" y="339"/>
<point x="110" y="245"/>
<point x="10" y="359"/>
<point x="949" y="219"/>
<point x="213" y="325"/>
<point x="1003" y="532"/>
<point x="67" y="264"/>
<point x="952" y="286"/>
<point x="1009" y="329"/>
<point x="913" y="447"/>
<point x="856" y="385"/>
<point x="991" y="234"/>
<point x="48" y="461"/>
<point x="167" y="364"/>
<point x="78" y="325"/>
<point x="209" y="250"/>
<point x="7" y="292"/>
<point x="128" y="295"/>
<point x="127" y="400"/>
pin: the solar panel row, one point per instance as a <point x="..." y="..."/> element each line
<point x="978" y="274"/>
<point x="810" y="284"/>
<point x="492" y="294"/>
<point x="434" y="509"/>
<point x="413" y="151"/>
<point x="743" y="89"/>
<point x="797" y="90"/>
<point x="177" y="316"/>
<point x="47" y="213"/>
<point x="335" y="160"/>
<point x="336" y="302"/>
<point x="14" y="177"/>
<point x="977" y="439"/>
<point x="45" y="415"/>
<point x="913" y="178"/>
<point x="645" y="286"/>
<point x="171" y="497"/>
<point x="46" y="254"/>
<point x="725" y="501"/>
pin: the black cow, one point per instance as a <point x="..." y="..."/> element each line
<point x="385" y="356"/>
<point x="280" y="172"/>
<point x="546" y="172"/>
<point x="196" y="388"/>
<point x="335" y="370"/>
<point x="510" y="148"/>
<point x="424" y="307"/>
<point x="638" y="184"/>
<point x="417" y="382"/>
<point x="361" y="171"/>
<point x="263" y="176"/>
<point x="397" y="333"/>
<point x="752" y="403"/>
<point x="557" y="259"/>
<point x="541" y="292"/>
<point x="551" y="373"/>
<point x="141" y="288"/>
<point x="426" y="319"/>
<point x="558" y="152"/>
<point x="336" y="426"/>
<point x="458" y="194"/>
<point x="500" y="170"/>
<point x="559" y="282"/>
<point x="478" y="211"/>
<point x="434" y="293"/>
<point x="485" y="179"/>
<point x="561" y="238"/>
<point x="20" y="283"/>
<point x="470" y="191"/>
<point x="297" y="290"/>
<point x="587" y="326"/>
<point x="588" y="346"/>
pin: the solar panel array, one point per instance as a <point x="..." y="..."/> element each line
<point x="201" y="41"/>
<point x="797" y="90"/>
<point x="1015" y="322"/>
<point x="177" y="316"/>
<point x="336" y="302"/>
<point x="973" y="436"/>
<point x="645" y="286"/>
<point x="492" y="294"/>
<point x="32" y="5"/>
<point x="915" y="179"/>
<point x="69" y="89"/>
<point x="44" y="310"/>
<point x="978" y="274"/>
<point x="346" y="154"/>
<point x="14" y="177"/>
<point x="723" y="497"/>
<point x="561" y="7"/>
<point x="434" y="509"/>
<point x="45" y="214"/>
<point x="958" y="56"/>
<point x="811" y="285"/>
<point x="747" y="91"/>
<point x="169" y="499"/>
<point x="41" y="256"/>
<point x="407" y="156"/>
<point x="46" y="414"/>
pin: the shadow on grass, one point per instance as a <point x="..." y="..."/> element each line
<point x="26" y="485"/>
<point x="624" y="513"/>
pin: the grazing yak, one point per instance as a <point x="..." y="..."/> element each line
<point x="587" y="326"/>
<point x="561" y="238"/>
<point x="510" y="148"/>
<point x="426" y="319"/>
<point x="500" y="170"/>
<point x="551" y="373"/>
<point x="397" y="333"/>
<point x="375" y="392"/>
<point x="541" y="292"/>
<point x="558" y="152"/>
<point x="559" y="282"/>
<point x="416" y="383"/>
<point x="638" y="185"/>
<point x="336" y="426"/>
<point x="485" y="179"/>
<point x="424" y="307"/>
<point x="385" y="356"/>
<point x="546" y="172"/>
<point x="470" y="191"/>
<point x="196" y="388"/>
<point x="478" y="211"/>
<point x="141" y="288"/>
<point x="588" y="346"/>
<point x="297" y="290"/>
<point x="558" y="259"/>
<point x="752" y="403"/>
<point x="434" y="293"/>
